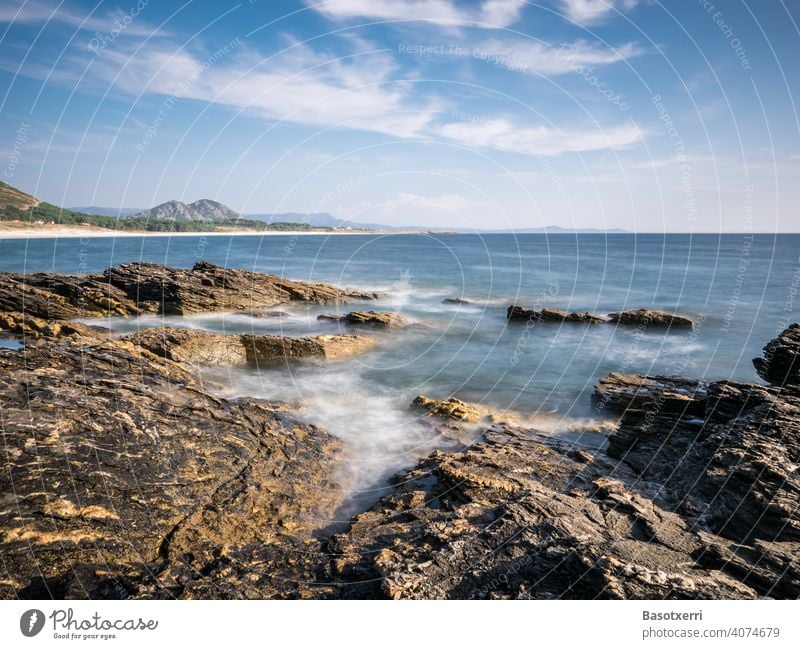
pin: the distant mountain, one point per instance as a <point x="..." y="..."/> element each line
<point x="213" y="211"/>
<point x="204" y="210"/>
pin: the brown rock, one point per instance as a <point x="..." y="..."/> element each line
<point x="271" y="349"/>
<point x="451" y="408"/>
<point x="130" y="289"/>
<point x="119" y="468"/>
<point x="238" y="350"/>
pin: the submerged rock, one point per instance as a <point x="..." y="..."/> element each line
<point x="372" y="318"/>
<point x="515" y="312"/>
<point x="650" y="318"/>
<point x="455" y="300"/>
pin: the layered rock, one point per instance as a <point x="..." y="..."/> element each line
<point x="649" y="318"/>
<point x="515" y="517"/>
<point x="370" y="318"/>
<point x="724" y="456"/>
<point x="239" y="350"/>
<point x="131" y="289"/>
<point x="515" y="312"/>
<point x="123" y="478"/>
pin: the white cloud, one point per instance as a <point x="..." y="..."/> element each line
<point x="300" y="86"/>
<point x="538" y="58"/>
<point x="588" y="12"/>
<point x="503" y="135"/>
<point x="490" y="13"/>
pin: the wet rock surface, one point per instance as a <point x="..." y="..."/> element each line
<point x="125" y="477"/>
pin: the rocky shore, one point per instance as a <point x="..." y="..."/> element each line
<point x="125" y="477"/>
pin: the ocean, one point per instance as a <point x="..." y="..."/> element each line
<point x="740" y="289"/>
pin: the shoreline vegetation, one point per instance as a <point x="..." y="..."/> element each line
<point x="129" y="477"/>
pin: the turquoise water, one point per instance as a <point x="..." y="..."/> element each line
<point x="739" y="288"/>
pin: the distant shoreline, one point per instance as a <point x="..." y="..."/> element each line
<point x="94" y="233"/>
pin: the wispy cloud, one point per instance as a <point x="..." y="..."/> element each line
<point x="588" y="12"/>
<point x="503" y="135"/>
<point x="489" y="13"/>
<point x="40" y="11"/>
<point x="299" y="86"/>
<point x="535" y="57"/>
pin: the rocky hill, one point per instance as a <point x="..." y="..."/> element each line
<point x="204" y="210"/>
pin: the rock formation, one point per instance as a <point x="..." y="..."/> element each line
<point x="239" y="350"/>
<point x="650" y="318"/>
<point x="371" y="318"/>
<point x="515" y="312"/>
<point x="124" y="477"/>
<point x="132" y="289"/>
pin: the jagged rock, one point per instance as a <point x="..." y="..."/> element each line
<point x="512" y="517"/>
<point x="515" y="312"/>
<point x="373" y="318"/>
<point x="451" y="408"/>
<point x="208" y="287"/>
<point x="131" y="289"/>
<point x="118" y="467"/>
<point x="238" y="350"/>
<point x="781" y="362"/>
<point x="649" y="318"/>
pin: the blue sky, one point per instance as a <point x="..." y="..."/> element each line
<point x="638" y="114"/>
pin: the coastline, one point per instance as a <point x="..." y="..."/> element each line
<point x="250" y="492"/>
<point x="78" y="233"/>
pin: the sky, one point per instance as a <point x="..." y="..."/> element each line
<point x="637" y="114"/>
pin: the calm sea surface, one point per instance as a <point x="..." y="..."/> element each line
<point x="739" y="288"/>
